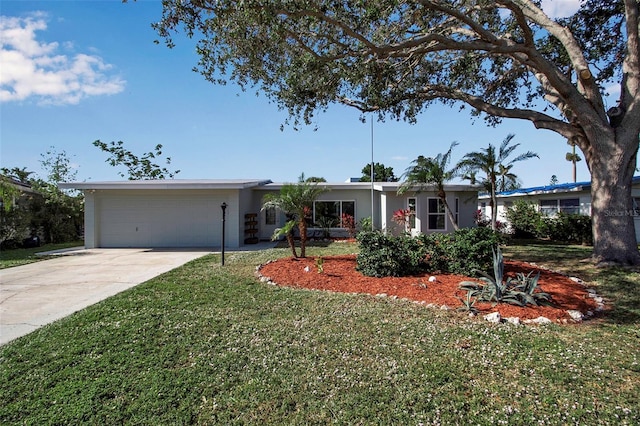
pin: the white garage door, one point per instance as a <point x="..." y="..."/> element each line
<point x="161" y="220"/>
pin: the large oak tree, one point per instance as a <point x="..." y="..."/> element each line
<point x="502" y="58"/>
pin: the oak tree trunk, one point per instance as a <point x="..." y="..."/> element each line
<point x="612" y="161"/>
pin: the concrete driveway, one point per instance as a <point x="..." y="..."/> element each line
<point x="39" y="293"/>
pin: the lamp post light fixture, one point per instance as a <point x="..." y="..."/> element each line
<point x="224" y="218"/>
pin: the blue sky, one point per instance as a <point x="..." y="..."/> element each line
<point x="86" y="70"/>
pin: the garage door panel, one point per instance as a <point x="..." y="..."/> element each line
<point x="158" y="221"/>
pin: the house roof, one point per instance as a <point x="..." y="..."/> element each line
<point x="168" y="184"/>
<point x="261" y="184"/>
<point x="550" y="189"/>
<point x="377" y="186"/>
<point x="21" y="186"/>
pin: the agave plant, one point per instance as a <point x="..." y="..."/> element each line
<point x="519" y="291"/>
<point x="468" y="303"/>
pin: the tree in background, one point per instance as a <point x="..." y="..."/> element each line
<point x="380" y="173"/>
<point x="14" y="213"/>
<point x="138" y="167"/>
<point x="430" y="172"/>
<point x="59" y="214"/>
<point x="315" y="179"/>
<point x="503" y="59"/>
<point x="17" y="173"/>
<point x="491" y="164"/>
<point x="554" y="180"/>
<point x="507" y="180"/>
<point x="573" y="158"/>
<point x="296" y="201"/>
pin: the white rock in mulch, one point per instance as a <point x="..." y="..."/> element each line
<point x="306" y="269"/>
<point x="493" y="317"/>
<point x="576" y="280"/>
<point x="381" y="295"/>
<point x="539" y="321"/>
<point x="432" y="279"/>
<point x="444" y="308"/>
<point x="513" y="320"/>
<point x="575" y="315"/>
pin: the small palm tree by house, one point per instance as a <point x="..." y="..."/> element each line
<point x="295" y="200"/>
<point x="431" y="172"/>
<point x="488" y="161"/>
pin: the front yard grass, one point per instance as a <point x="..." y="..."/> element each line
<point x="206" y="344"/>
<point x="23" y="256"/>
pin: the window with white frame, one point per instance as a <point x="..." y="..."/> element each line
<point x="457" y="211"/>
<point x="565" y="205"/>
<point x="412" y="205"/>
<point x="435" y="214"/>
<point x="570" y="205"/>
<point x="329" y="213"/>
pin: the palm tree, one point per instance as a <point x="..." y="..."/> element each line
<point x="431" y="171"/>
<point x="488" y="162"/>
<point x="507" y="180"/>
<point x="573" y="157"/>
<point x="295" y="200"/>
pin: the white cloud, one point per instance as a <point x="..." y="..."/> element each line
<point x="560" y="8"/>
<point x="399" y="158"/>
<point x="35" y="69"/>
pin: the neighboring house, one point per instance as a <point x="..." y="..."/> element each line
<point x="15" y="225"/>
<point x="551" y="199"/>
<point x="188" y="213"/>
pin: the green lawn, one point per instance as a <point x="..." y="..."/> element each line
<point x="206" y="344"/>
<point x="10" y="258"/>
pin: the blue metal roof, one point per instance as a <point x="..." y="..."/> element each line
<point x="561" y="187"/>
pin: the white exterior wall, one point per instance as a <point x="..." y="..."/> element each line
<point x="90" y="224"/>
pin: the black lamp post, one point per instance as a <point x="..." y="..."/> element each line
<point x="224" y="218"/>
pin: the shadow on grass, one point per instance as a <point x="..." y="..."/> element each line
<point x="619" y="286"/>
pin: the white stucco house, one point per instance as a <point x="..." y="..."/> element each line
<point x="188" y="213"/>
<point x="550" y="199"/>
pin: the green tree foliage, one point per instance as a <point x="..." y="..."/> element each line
<point x="431" y="173"/>
<point x="58" y="215"/>
<point x="381" y="173"/>
<point x="14" y="213"/>
<point x="503" y="59"/>
<point x="17" y="173"/>
<point x="138" y="167"/>
<point x="296" y="201"/>
<point x="494" y="166"/>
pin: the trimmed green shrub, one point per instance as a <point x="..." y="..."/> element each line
<point x="570" y="228"/>
<point x="525" y="220"/>
<point x="472" y="250"/>
<point x="437" y="248"/>
<point x="464" y="252"/>
<point x="389" y="256"/>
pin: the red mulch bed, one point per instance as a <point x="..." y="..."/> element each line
<point x="340" y="275"/>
